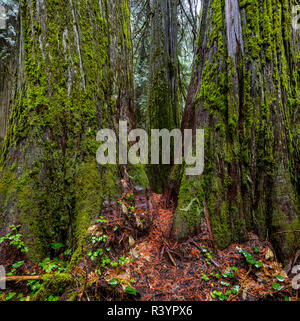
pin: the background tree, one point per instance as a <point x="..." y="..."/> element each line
<point x="163" y="98"/>
<point x="142" y="13"/>
<point x="164" y="34"/>
<point x="245" y="93"/>
<point x="7" y="60"/>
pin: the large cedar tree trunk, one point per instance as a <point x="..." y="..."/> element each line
<point x="74" y="78"/>
<point x="245" y="94"/>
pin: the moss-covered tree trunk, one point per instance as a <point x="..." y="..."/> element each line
<point x="74" y="78"/>
<point x="245" y="94"/>
<point x="163" y="101"/>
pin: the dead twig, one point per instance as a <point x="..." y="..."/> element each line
<point x="211" y="235"/>
<point x="170" y="256"/>
<point x="86" y="278"/>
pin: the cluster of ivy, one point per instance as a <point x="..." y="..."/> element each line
<point x="99" y="254"/>
<point x="50" y="266"/>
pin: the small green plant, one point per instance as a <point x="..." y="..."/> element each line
<point x="68" y="252"/>
<point x="99" y="239"/>
<point x="18" y="264"/>
<point x="54" y="265"/>
<point x="114" y="264"/>
<point x="20" y="297"/>
<point x="10" y="295"/>
<point x="205" y="278"/>
<point x="15" y="239"/>
<point x="215" y="275"/>
<point x="105" y="260"/>
<point x="221" y="296"/>
<point x="123" y="260"/>
<point x="95" y="254"/>
<point x="132" y="291"/>
<point x="277" y="287"/>
<point x="130" y="197"/>
<point x="52" y="298"/>
<point x="230" y="273"/>
<point x="34" y="286"/>
<point x="15" y="267"/>
<point x="56" y="246"/>
<point x="236" y="289"/>
<point x="280" y="278"/>
<point x="250" y="259"/>
<point x="256" y="250"/>
<point x="102" y="220"/>
<point x="113" y="283"/>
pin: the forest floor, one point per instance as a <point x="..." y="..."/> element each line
<point x="154" y="267"/>
<point x="193" y="270"/>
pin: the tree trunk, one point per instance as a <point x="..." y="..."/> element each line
<point x="75" y="75"/>
<point x="245" y="93"/>
<point x="163" y="102"/>
<point x="8" y="62"/>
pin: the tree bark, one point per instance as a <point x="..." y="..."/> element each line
<point x="245" y="93"/>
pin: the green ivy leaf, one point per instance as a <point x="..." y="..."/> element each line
<point x="277" y="287"/>
<point x="132" y="291"/>
<point x="256" y="250"/>
<point x="205" y="278"/>
<point x="280" y="278"/>
<point x="56" y="246"/>
<point x="236" y="289"/>
<point x="18" y="264"/>
<point x="10" y="296"/>
<point x="113" y="282"/>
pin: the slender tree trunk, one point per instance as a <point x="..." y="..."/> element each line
<point x="245" y="94"/>
<point x="8" y="63"/>
<point x="75" y="75"/>
<point x="163" y="109"/>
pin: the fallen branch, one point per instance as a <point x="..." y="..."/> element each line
<point x="170" y="256"/>
<point x="21" y="278"/>
<point x="287" y="232"/>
